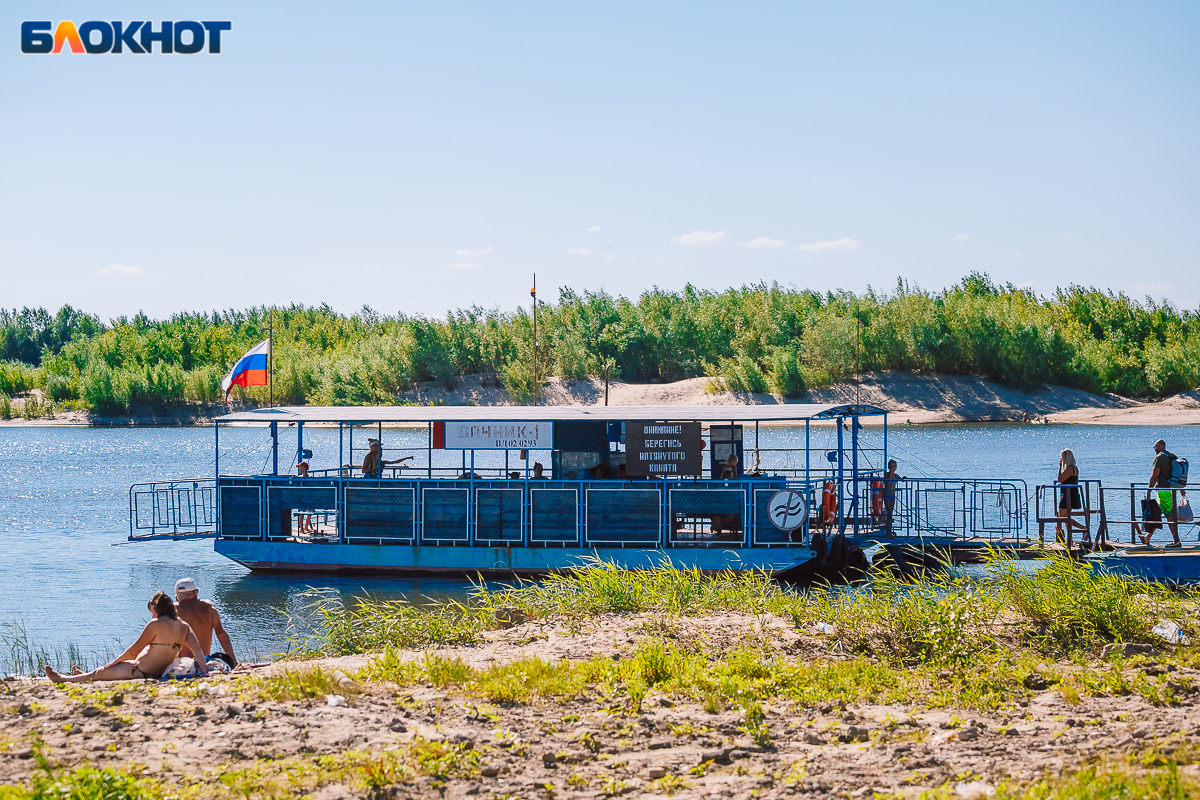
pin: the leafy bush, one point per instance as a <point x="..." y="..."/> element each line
<point x="786" y="375"/>
<point x="16" y="377"/>
<point x="831" y="346"/>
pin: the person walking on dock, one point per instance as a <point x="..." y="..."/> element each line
<point x="1069" y="498"/>
<point x="205" y="621"/>
<point x="1160" y="478"/>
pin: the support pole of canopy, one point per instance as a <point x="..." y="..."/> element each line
<point x="854" y="468"/>
<point x="841" y="477"/>
<point x="885" y="450"/>
<point x="274" y="447"/>
<point x="807" y="448"/>
<point x="757" y="454"/>
<point x="299" y="442"/>
<point x="216" y="472"/>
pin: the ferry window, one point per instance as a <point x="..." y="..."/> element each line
<point x="579" y="461"/>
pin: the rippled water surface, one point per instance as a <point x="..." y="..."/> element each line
<point x="67" y="576"/>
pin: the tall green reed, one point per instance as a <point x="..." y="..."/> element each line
<point x="20" y="655"/>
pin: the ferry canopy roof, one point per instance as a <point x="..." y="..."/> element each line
<point x="782" y="412"/>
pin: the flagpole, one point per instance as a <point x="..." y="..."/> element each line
<point x="271" y="358"/>
<point x="536" y="382"/>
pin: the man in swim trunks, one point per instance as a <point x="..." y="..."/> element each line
<point x="1160" y="478"/>
<point x="202" y="616"/>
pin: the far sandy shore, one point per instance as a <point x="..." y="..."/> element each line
<point x="915" y="399"/>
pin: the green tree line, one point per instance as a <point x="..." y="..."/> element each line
<point x="754" y="338"/>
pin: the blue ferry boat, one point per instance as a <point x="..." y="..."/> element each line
<point x="526" y="490"/>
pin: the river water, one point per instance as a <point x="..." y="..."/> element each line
<point x="67" y="575"/>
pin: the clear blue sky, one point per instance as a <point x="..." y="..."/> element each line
<point x="420" y="157"/>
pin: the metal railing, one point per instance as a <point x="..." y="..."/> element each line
<point x="503" y="512"/>
<point x="1099" y="504"/>
<point x="977" y="509"/>
<point x="173" y="509"/>
<point x="1141" y="519"/>
<point x="1054" y="503"/>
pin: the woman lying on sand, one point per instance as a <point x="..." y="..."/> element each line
<point x="151" y="655"/>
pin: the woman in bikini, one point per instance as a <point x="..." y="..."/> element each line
<point x="151" y="655"/>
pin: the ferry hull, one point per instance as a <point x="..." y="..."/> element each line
<point x="1176" y="567"/>
<point x="495" y="561"/>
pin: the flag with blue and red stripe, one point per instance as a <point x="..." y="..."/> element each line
<point x="250" y="370"/>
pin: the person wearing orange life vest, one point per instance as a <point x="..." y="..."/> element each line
<point x="890" y="479"/>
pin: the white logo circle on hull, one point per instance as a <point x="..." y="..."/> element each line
<point x="787" y="509"/>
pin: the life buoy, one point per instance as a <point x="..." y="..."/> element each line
<point x="829" y="504"/>
<point x="877" y="498"/>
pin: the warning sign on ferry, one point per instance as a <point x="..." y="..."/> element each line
<point x="662" y="448"/>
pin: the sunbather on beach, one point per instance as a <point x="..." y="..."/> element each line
<point x="151" y="655"/>
<point x="205" y="622"/>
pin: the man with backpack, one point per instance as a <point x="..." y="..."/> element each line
<point x="1167" y="472"/>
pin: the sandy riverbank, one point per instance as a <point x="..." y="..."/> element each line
<point x="915" y="399"/>
<point x="220" y="737"/>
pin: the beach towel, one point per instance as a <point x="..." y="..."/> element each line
<point x="183" y="668"/>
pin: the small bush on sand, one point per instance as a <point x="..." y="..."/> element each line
<point x="370" y="625"/>
<point x="600" y="587"/>
<point x="1068" y="606"/>
<point x="298" y="684"/>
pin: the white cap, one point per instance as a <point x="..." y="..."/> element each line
<point x="186" y="585"/>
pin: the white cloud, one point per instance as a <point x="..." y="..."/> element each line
<point x="699" y="238"/>
<point x="465" y="252"/>
<point x="1142" y="288"/>
<point x="832" y="244"/>
<point x="462" y="265"/>
<point x="962" y="237"/>
<point x="594" y="229"/>
<point x="122" y="271"/>
<point x="581" y="251"/>
<point x="763" y="243"/>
